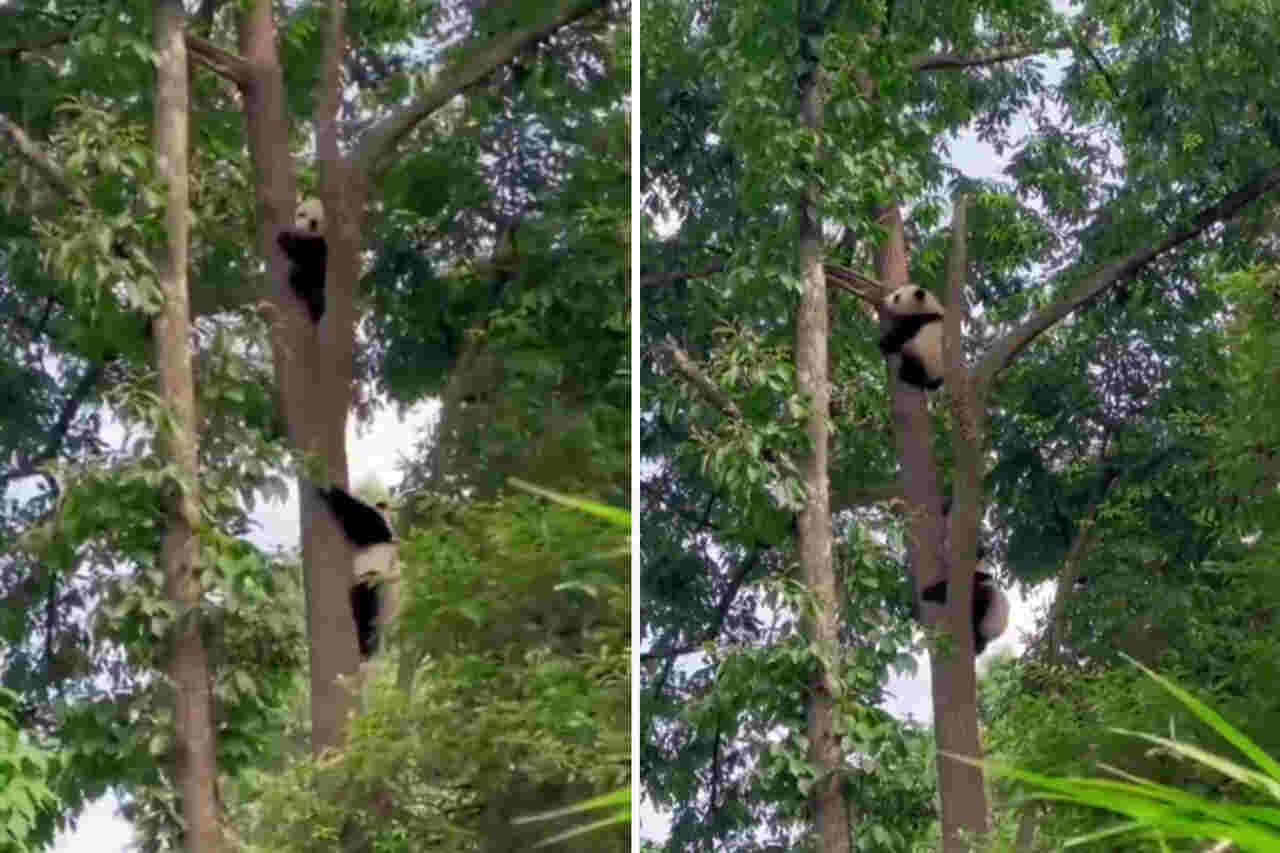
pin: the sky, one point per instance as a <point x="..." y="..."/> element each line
<point x="374" y="450"/>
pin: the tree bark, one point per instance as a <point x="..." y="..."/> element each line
<point x="197" y="769"/>
<point x="814" y="520"/>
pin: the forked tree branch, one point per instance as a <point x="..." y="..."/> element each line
<point x="221" y="62"/>
<point x="371" y="153"/>
<point x="1002" y="354"/>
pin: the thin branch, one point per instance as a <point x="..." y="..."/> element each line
<point x="58" y="432"/>
<point x="1004" y="351"/>
<point x="994" y="56"/>
<point x="845" y="496"/>
<point x="31" y="152"/>
<point x="699" y="380"/>
<point x="12" y="51"/>
<point x="221" y="62"/>
<point x="1086" y="532"/>
<point x="722" y="613"/>
<point x="371" y="154"/>
<point x="666" y="279"/>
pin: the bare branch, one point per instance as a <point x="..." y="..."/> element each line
<point x="1004" y="351"/>
<point x="219" y="61"/>
<point x="868" y="289"/>
<point x="699" y="380"/>
<point x="994" y="56"/>
<point x="371" y="154"/>
<point x="31" y="152"/>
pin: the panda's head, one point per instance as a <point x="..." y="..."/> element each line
<point x="310" y="216"/>
<point x="910" y="300"/>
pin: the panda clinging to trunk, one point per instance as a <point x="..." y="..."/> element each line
<point x="913" y="334"/>
<point x="369" y="531"/>
<point x="308" y="254"/>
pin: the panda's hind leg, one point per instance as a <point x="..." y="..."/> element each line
<point x="914" y="374"/>
<point x="364" y="609"/>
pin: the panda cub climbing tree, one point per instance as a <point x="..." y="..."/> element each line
<point x="990" y="613"/>
<point x="369" y="531"/>
<point x="912" y="334"/>
<point x="308" y="253"/>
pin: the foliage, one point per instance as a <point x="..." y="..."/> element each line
<point x="514" y="636"/>
<point x="543" y="140"/>
<point x="619" y="801"/>
<point x="25" y="773"/>
<point x="1159" y="812"/>
<point x="1140" y="429"/>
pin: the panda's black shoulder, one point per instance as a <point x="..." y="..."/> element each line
<point x="304" y="248"/>
<point x="361" y="523"/>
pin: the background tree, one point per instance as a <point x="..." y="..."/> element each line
<point x="1097" y="219"/>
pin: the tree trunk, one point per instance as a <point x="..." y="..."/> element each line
<point x="197" y="769"/>
<point x="955" y="711"/>
<point x="814" y="521"/>
<point x="313" y="370"/>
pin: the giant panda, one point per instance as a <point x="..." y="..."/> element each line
<point x="308" y="253"/>
<point x="990" y="607"/>
<point x="369" y="531"/>
<point x="913" y="332"/>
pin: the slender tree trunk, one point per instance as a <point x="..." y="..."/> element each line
<point x="197" y="769"/>
<point x="814" y="522"/>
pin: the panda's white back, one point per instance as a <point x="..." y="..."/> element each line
<point x="376" y="561"/>
<point x="926" y="347"/>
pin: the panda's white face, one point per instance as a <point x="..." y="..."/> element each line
<point x="310" y="216"/>
<point x="909" y="300"/>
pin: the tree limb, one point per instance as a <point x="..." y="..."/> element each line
<point x="370" y="154"/>
<point x="31" y="152"/>
<point x="699" y="380"/>
<point x="221" y="62"/>
<point x="993" y="56"/>
<point x="1006" y="349"/>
